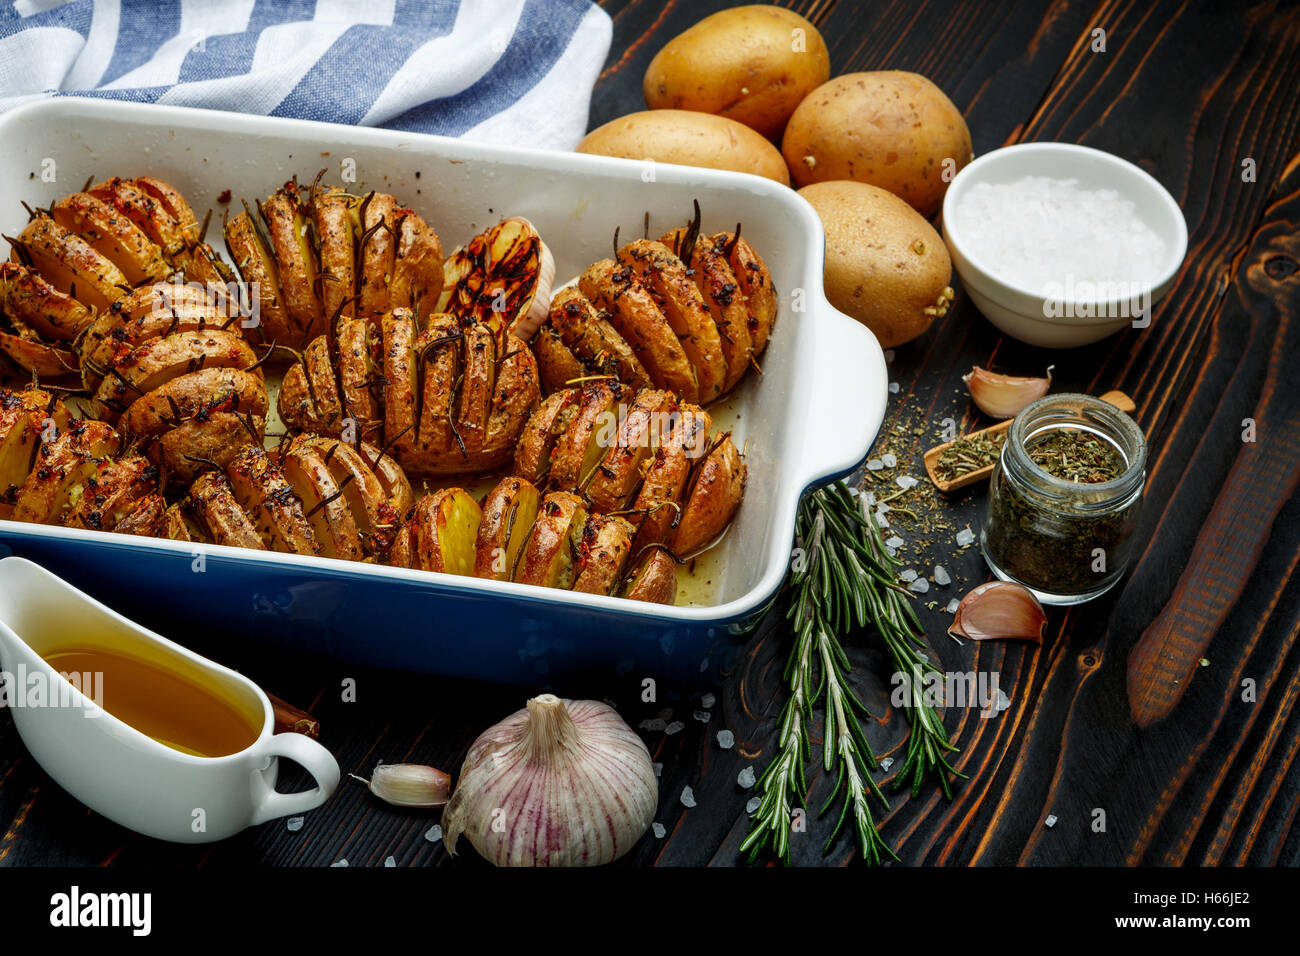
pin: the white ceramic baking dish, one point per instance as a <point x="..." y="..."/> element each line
<point x="812" y="413"/>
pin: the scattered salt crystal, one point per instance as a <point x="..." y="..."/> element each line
<point x="893" y="552"/>
<point x="658" y="768"/>
<point x="294" y="824"/>
<point x="675" y="727"/>
<point x="653" y="724"/>
<point x="1004" y="701"/>
<point x="753" y="804"/>
<point x="964" y="537"/>
<point x="905" y="482"/>
<point x="952" y="606"/>
<point x="707" y="701"/>
<point x="1050" y="821"/>
<point x="889" y="355"/>
<point x="875" y="464"/>
<point x="702" y="716"/>
<point x="941" y="576"/>
<point x="726" y="739"/>
<point x="889" y="459"/>
<point x="883" y="509"/>
<point x="886" y="763"/>
<point x="340" y="863"/>
<point x="893" y="388"/>
<point x="869" y="497"/>
<point x="894" y="542"/>
<point x="746" y="777"/>
<point x="659" y="830"/>
<point x="688" y="797"/>
<point x="434" y="833"/>
<point x="390" y="861"/>
<point x="881" y="520"/>
<point x="920" y="586"/>
<point x="908" y="575"/>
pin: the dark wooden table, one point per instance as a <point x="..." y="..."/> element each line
<point x="1170" y="704"/>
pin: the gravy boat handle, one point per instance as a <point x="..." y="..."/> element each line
<point x="270" y="804"/>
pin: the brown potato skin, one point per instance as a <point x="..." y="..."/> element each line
<point x="711" y="500"/>
<point x="602" y="554"/>
<point x="689" y="139"/>
<point x="740" y="64"/>
<point x="513" y="500"/>
<point x="889" y="128"/>
<point x="547" y="558"/>
<point x="885" y="265"/>
<point x="426" y="540"/>
<point x="542" y="430"/>
<point x="653" y="578"/>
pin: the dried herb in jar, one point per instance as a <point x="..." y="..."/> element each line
<point x="969" y="453"/>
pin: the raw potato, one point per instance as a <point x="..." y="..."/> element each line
<point x="689" y="139"/>
<point x="891" y="129"/>
<point x="748" y="64"/>
<point x="885" y="265"/>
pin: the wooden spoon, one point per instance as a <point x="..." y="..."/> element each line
<point x="1118" y="399"/>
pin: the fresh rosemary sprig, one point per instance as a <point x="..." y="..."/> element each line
<point x="844" y="577"/>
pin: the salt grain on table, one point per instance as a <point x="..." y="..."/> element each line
<point x="908" y="575"/>
<point x="688" y="797"/>
<point x="894" y="542"/>
<point x="941" y="576"/>
<point x="889" y="459"/>
<point x="707" y="701"/>
<point x="658" y="769"/>
<point x="964" y="537"/>
<point x="753" y="804"/>
<point x="653" y="725"/>
<point x="434" y="833"/>
<point x="919" y="586"/>
<point x="869" y="497"/>
<point x="340" y="863"/>
<point x="1050" y="821"/>
<point x="952" y="606"/>
<point x="675" y="727"/>
<point x="703" y="716"/>
<point x="294" y="824"/>
<point x="893" y="388"/>
<point x="390" y="861"/>
<point x="905" y="482"/>
<point x="886" y="763"/>
<point x="746" y="778"/>
<point x="659" y="830"/>
<point x="875" y="465"/>
<point x="726" y="739"/>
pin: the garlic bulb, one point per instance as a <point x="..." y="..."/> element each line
<point x="560" y="783"/>
<point x="1002" y="396"/>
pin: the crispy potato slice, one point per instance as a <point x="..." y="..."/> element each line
<point x="174" y="204"/>
<point x="218" y="512"/>
<point x="28" y="298"/>
<point x="558" y="366"/>
<point x="602" y="554"/>
<point x="549" y="555"/>
<point x="593" y="341"/>
<point x="160" y="360"/>
<point x="359" y="373"/>
<point x="39" y="358"/>
<point x="257" y="267"/>
<point x="658" y="502"/>
<point x="336" y="216"/>
<point x="151" y="312"/>
<point x="756" y="284"/>
<point x="378" y="250"/>
<point x="722" y="294"/>
<point x="323" y="502"/>
<point x="196" y="395"/>
<point x="147" y="518"/>
<point x="150" y="215"/>
<point x="710" y="499"/>
<point x="401" y="381"/>
<point x="653" y="578"/>
<point x="287" y="226"/>
<point x="417" y="273"/>
<point x="112" y="235"/>
<point x="669" y="283"/>
<point x="194" y="445"/>
<point x="113" y="492"/>
<point x="478" y="379"/>
<point x="61" y="470"/>
<point x="582" y="445"/>
<point x="376" y="504"/>
<point x="70" y="264"/>
<point x="260" y="486"/>
<point x="25" y="416"/>
<point x="439" y="534"/>
<point x="543" y="429"/>
<point x="508" y="514"/>
<point x="645" y="426"/>
<point x="633" y="312"/>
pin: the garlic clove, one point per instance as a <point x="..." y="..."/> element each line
<point x="408" y="785"/>
<point x="559" y="783"/>
<point x="1003" y="396"/>
<point x="1000" y="610"/>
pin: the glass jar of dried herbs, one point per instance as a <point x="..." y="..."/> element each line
<point x="1064" y="497"/>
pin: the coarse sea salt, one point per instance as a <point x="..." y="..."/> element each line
<point x="1051" y="235"/>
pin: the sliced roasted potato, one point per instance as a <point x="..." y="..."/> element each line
<point x="710" y="500"/>
<point x="552" y="548"/>
<point x="113" y="492"/>
<point x="150" y="312"/>
<point x="652" y="578"/>
<point x="194" y="395"/>
<point x="309" y="398"/>
<point x="149" y="214"/>
<point x="658" y="504"/>
<point x="582" y="445"/>
<point x="260" y="486"/>
<point x="62" y="469"/>
<point x="636" y="316"/>
<point x="602" y="554"/>
<point x="148" y="517"/>
<point x="287" y="225"/>
<point x="323" y="503"/>
<point x="25" y="417"/>
<point x="70" y="264"/>
<point x="160" y="360"/>
<point x="180" y="523"/>
<point x="199" y="443"/>
<point x="543" y="429"/>
<point x="112" y="235"/>
<point x="218" y="512"/>
<point x="257" y="267"/>
<point x="722" y="294"/>
<point x="756" y="285"/>
<point x="30" y="299"/>
<point x="417" y="273"/>
<point x="336" y="216"/>
<point x="359" y="374"/>
<point x="440" y="534"/>
<point x="39" y="358"/>
<point x="378" y="251"/>
<point x="592" y="341"/>
<point x="644" y="428"/>
<point x="375" y="489"/>
<point x="508" y="514"/>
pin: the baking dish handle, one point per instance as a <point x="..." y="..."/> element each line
<point x="849" y="390"/>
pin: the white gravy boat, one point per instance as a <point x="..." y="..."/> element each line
<point x="110" y="766"/>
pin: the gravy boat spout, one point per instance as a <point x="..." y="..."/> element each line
<point x="114" y="768"/>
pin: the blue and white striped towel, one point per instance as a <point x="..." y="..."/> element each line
<point x="501" y="71"/>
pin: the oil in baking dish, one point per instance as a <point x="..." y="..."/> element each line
<point x="174" y="707"/>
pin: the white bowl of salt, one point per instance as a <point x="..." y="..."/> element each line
<point x="1062" y="245"/>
